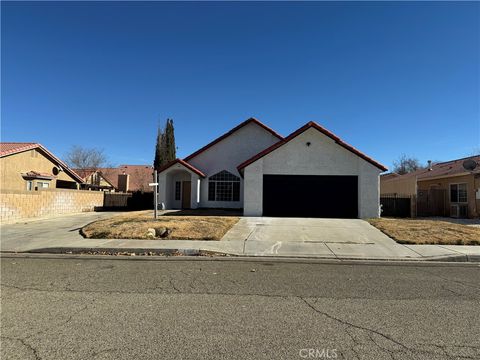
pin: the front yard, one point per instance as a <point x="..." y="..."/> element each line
<point x="182" y="226"/>
<point x="420" y="231"/>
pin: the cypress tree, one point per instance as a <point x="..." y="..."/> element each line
<point x="159" y="160"/>
<point x="170" y="141"/>
<point x="165" y="150"/>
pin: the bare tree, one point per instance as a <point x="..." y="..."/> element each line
<point x="85" y="158"/>
<point x="406" y="164"/>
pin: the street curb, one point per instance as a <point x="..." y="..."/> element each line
<point x="125" y="253"/>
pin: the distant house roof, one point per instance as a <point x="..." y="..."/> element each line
<point x="324" y="131"/>
<point x="227" y="134"/>
<point x="140" y="176"/>
<point x="184" y="163"/>
<point x="85" y="174"/>
<point x="440" y="169"/>
<point x="389" y="176"/>
<point x="11" y="148"/>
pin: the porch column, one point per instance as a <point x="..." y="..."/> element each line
<point x="195" y="191"/>
<point x="162" y="190"/>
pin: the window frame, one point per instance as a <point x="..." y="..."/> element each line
<point x="40" y="185"/>
<point x="224" y="190"/>
<point x="457" y="201"/>
<point x="178" y="191"/>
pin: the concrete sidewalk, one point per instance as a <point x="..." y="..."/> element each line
<point x="250" y="237"/>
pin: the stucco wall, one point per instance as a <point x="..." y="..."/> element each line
<point x="322" y="157"/>
<point x="12" y="167"/>
<point x="227" y="155"/>
<point x="472" y="186"/>
<point x="399" y="186"/>
<point x="16" y="205"/>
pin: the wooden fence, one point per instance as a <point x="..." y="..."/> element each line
<point x="397" y="205"/>
<point x="432" y="202"/>
<point x="128" y="201"/>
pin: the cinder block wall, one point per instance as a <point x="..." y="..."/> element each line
<point x="30" y="204"/>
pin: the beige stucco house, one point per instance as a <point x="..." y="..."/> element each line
<point x="31" y="167"/>
<point x="442" y="189"/>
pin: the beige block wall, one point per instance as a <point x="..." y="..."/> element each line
<point x="12" y="167"/>
<point x="15" y="205"/>
<point x="472" y="185"/>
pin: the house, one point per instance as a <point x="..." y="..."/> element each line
<point x="30" y="166"/>
<point x="125" y="178"/>
<point x="442" y="189"/>
<point x="93" y="179"/>
<point x="309" y="173"/>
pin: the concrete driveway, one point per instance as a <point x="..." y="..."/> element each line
<point x="48" y="232"/>
<point x="351" y="238"/>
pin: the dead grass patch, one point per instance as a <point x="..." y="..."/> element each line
<point x="134" y="225"/>
<point x="406" y="231"/>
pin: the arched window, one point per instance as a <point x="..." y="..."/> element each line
<point x="223" y="186"/>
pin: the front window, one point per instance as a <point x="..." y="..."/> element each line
<point x="42" y="185"/>
<point x="29" y="185"/>
<point x="224" y="186"/>
<point x="177" y="190"/>
<point x="458" y="193"/>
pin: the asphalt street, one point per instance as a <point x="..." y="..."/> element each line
<point x="84" y="308"/>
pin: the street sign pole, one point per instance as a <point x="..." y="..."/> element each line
<point x="155" y="196"/>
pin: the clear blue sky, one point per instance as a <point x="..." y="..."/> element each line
<point x="388" y="78"/>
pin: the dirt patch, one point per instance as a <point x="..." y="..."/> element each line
<point x="135" y="225"/>
<point x="406" y="231"/>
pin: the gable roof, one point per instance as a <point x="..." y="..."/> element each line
<point x="305" y="127"/>
<point x="227" y="134"/>
<point x="181" y="162"/>
<point x="11" y="148"/>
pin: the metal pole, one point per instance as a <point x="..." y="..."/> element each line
<point x="155" y="199"/>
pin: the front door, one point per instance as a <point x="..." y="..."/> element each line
<point x="186" y="192"/>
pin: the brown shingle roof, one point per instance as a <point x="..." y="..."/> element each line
<point x="441" y="169"/>
<point x="140" y="176"/>
<point x="447" y="168"/>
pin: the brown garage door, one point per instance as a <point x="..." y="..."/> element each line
<point x="310" y="196"/>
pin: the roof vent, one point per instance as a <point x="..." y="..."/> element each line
<point x="430" y="165"/>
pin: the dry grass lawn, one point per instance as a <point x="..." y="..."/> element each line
<point x="134" y="225"/>
<point x="407" y="231"/>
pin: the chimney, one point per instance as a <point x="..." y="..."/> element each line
<point x="429" y="165"/>
<point x="123" y="182"/>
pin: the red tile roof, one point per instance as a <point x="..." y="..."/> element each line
<point x="184" y="163"/>
<point x="227" y="134"/>
<point x="305" y="127"/>
<point x="11" y="148"/>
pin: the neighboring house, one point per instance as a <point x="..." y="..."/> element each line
<point x="93" y="179"/>
<point x="310" y="173"/>
<point x="30" y="166"/>
<point x="442" y="189"/>
<point x="125" y="178"/>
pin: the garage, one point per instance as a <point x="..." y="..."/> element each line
<point x="310" y="196"/>
<point x="311" y="173"/>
